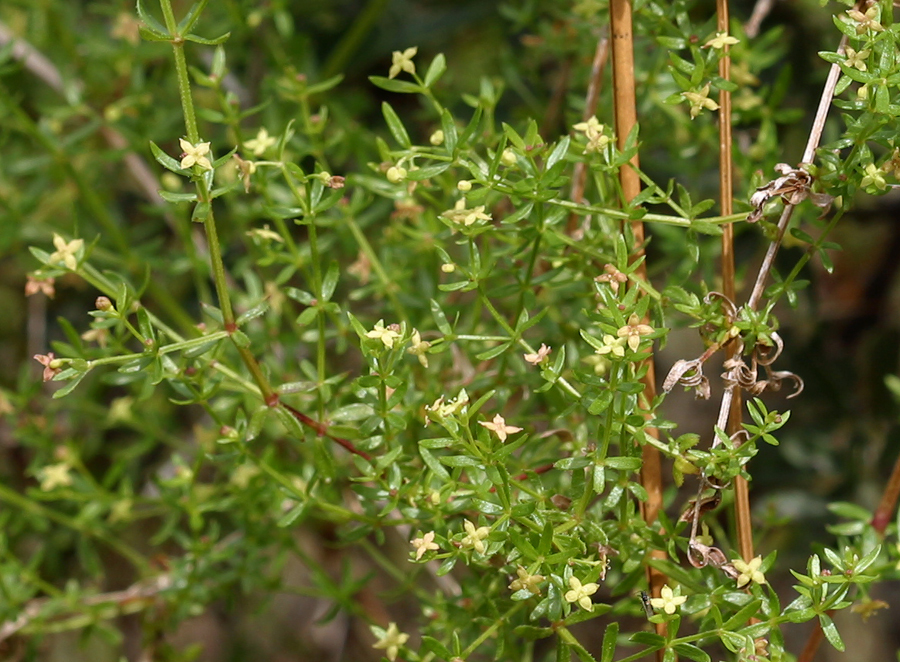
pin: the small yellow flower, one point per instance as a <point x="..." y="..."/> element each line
<point x="595" y="134"/>
<point x="265" y="234"/>
<point x="855" y="59"/>
<point x="391" y="641"/>
<point x="436" y="138"/>
<point x="464" y="185"/>
<point x="611" y="345"/>
<point x="439" y="409"/>
<point x="55" y="475"/>
<point x="499" y="427"/>
<point x="668" y="601"/>
<point x="721" y="40"/>
<point x="194" y="155"/>
<point x="867" y="21"/>
<point x="508" y="158"/>
<point x="261" y="143"/>
<point x="699" y="100"/>
<point x="873" y="177"/>
<point x="538" y="356"/>
<point x="424" y="544"/>
<point x="403" y="61"/>
<point x="66" y="252"/>
<point x="475" y="537"/>
<point x="419" y="347"/>
<point x="387" y="335"/>
<point x="581" y="593"/>
<point x="750" y="572"/>
<point x="467" y="217"/>
<point x="526" y="581"/>
<point x="633" y="332"/>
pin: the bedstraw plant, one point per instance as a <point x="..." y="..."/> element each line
<point x="420" y="350"/>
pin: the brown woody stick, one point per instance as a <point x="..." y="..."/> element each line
<point x="726" y="193"/>
<point x="626" y="118"/>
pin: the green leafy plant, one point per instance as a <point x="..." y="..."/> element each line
<point x="431" y="346"/>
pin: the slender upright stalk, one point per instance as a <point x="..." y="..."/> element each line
<point x="626" y="119"/>
<point x="726" y="193"/>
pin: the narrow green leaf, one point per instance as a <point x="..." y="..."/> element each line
<point x="435" y="70"/>
<point x="400" y="86"/>
<point x="395" y="125"/>
<point x="829" y="629"/>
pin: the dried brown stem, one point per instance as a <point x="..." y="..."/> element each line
<point x="815" y="135"/>
<point x="626" y="119"/>
<point x="726" y="193"/>
<point x="760" y="10"/>
<point x="885" y="511"/>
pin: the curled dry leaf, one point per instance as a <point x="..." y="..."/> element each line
<point x="690" y="375"/>
<point x="701" y="555"/>
<point x="793" y="186"/>
<point x="728" y="308"/>
<point x="768" y="354"/>
<point x="707" y="503"/>
<point x="777" y="377"/>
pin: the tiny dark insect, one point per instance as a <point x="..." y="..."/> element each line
<point x="648" y="608"/>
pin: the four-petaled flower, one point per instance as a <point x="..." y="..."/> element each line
<point x="194" y="155"/>
<point x="668" y="600"/>
<point x="403" y="61"/>
<point x="721" y="40"/>
<point x="55" y="475"/>
<point x="424" y="544"/>
<point x="261" y="143"/>
<point x="750" y="572"/>
<point x="595" y="134"/>
<point x="581" y="593"/>
<point x="387" y="335"/>
<point x="538" y="357"/>
<point x="52" y="366"/>
<point x="633" y="331"/>
<point x="526" y="581"/>
<point x="475" y="537"/>
<point x="66" y="252"/>
<point x="857" y="59"/>
<point x="867" y="21"/>
<point x="45" y="285"/>
<point x="873" y="177"/>
<point x="459" y="213"/>
<point x="611" y="345"/>
<point x="699" y="100"/>
<point x="499" y="427"/>
<point x="612" y="276"/>
<point x="419" y="347"/>
<point x="439" y="409"/>
<point x="391" y="641"/>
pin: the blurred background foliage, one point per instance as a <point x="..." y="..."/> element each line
<point x="61" y="172"/>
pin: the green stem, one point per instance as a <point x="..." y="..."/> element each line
<point x="492" y="630"/>
<point x="14" y="498"/>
